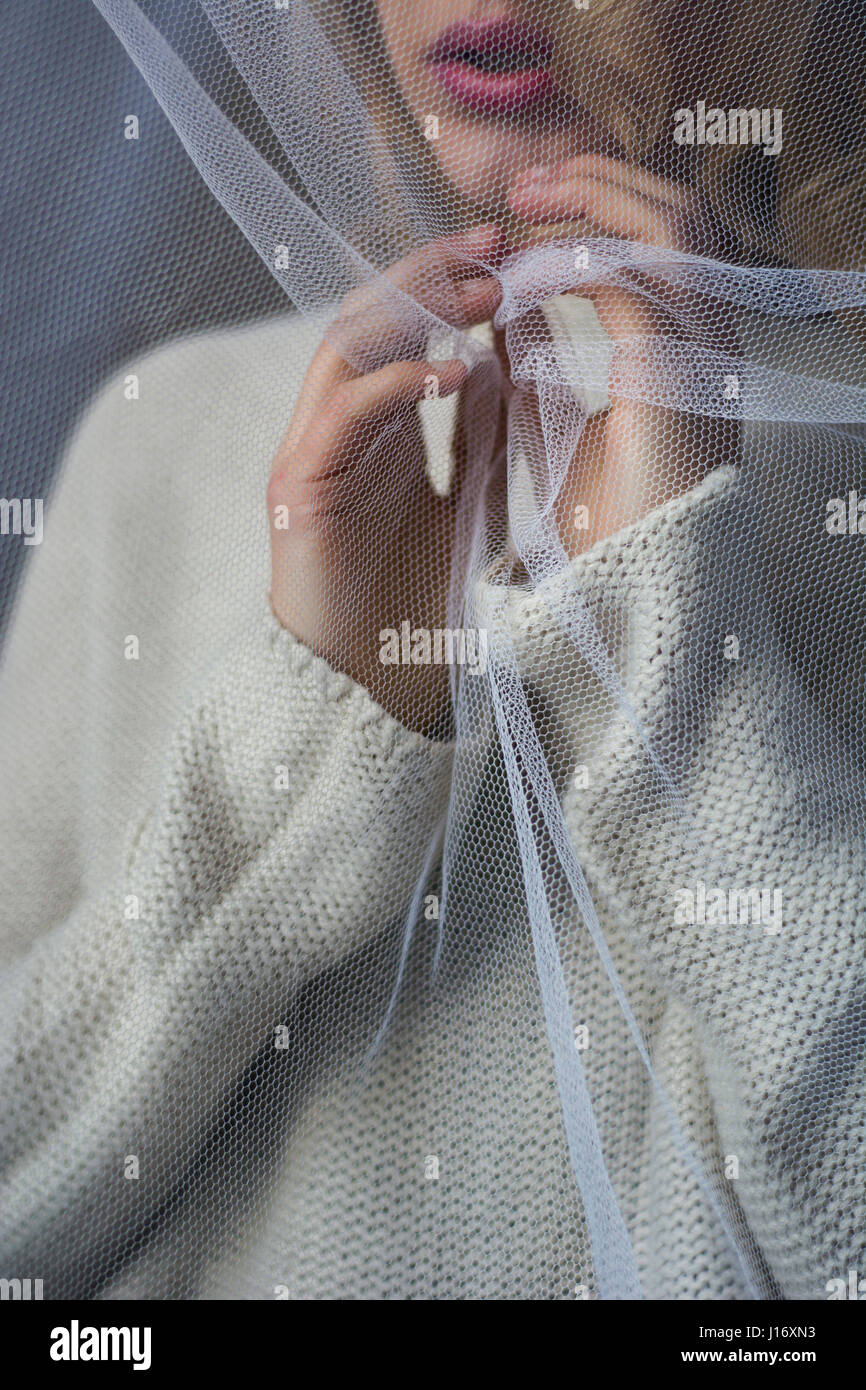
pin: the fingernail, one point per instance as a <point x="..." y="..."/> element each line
<point x="539" y="173"/>
<point x="458" y="371"/>
<point x="477" y="236"/>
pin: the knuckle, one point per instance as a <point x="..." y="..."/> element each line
<point x="276" y="490"/>
<point x="342" y="402"/>
<point x="354" y="301"/>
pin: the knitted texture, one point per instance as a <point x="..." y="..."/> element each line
<point x="211" y="854"/>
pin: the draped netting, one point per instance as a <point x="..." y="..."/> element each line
<point x="482" y="918"/>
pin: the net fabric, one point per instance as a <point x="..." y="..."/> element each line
<point x="481" y="917"/>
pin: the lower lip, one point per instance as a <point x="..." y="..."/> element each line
<point x="494" y="93"/>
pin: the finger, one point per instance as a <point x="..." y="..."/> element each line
<point x="473" y="251"/>
<point x="389" y="318"/>
<point x="652" y="305"/>
<point x="476" y="301"/>
<point x="644" y="301"/>
<point x="400" y="383"/>
<point x="617" y="212"/>
<point x="616" y="171"/>
<point x="354" y="409"/>
<point x="432" y="275"/>
<point x="336" y="361"/>
<point x="396" y="327"/>
<point x="606" y="206"/>
<point x="624" y="315"/>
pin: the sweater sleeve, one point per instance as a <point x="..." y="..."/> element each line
<point x="285" y="830"/>
<point x="291" y="826"/>
<point x="599" y="642"/>
<point x="731" y="904"/>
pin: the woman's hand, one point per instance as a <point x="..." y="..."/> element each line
<point x="360" y="542"/>
<point x="633" y="457"/>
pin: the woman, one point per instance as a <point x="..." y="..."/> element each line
<point x="356" y="974"/>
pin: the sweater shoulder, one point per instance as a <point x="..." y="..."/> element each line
<point x="157" y="520"/>
<point x="179" y="439"/>
<point x="209" y="380"/>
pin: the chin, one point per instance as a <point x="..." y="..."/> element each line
<point x="481" y="159"/>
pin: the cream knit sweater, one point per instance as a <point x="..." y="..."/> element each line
<point x="169" y="903"/>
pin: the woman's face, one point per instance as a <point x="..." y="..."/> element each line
<point x="485" y="75"/>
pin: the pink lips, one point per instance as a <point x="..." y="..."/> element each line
<point x="494" y="67"/>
